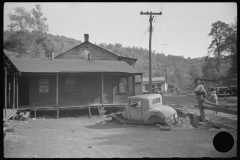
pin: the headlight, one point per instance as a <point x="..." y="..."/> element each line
<point x="176" y="118"/>
<point x="172" y="119"/>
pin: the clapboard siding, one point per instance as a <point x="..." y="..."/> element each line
<point x="87" y="90"/>
<point x="69" y="98"/>
<point x="43" y="98"/>
<point x="96" y="53"/>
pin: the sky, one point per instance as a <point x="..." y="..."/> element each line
<point x="181" y="30"/>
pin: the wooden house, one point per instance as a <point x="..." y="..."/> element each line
<point x="82" y="76"/>
<point x="157" y="82"/>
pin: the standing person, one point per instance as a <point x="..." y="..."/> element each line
<point x="200" y="90"/>
<point x="169" y="89"/>
<point x="200" y="94"/>
<point x="172" y="89"/>
<point x="214" y="99"/>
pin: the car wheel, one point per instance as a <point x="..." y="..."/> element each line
<point x="156" y="120"/>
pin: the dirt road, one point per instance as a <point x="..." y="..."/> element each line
<point x="80" y="137"/>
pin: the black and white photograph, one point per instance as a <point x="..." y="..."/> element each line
<point x="120" y="80"/>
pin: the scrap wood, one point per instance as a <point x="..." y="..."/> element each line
<point x="219" y="109"/>
<point x="218" y="125"/>
<point x="5" y="129"/>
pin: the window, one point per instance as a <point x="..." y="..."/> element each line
<point x="153" y="86"/>
<point x="43" y="86"/>
<point x="69" y="84"/>
<point x="136" y="103"/>
<point x="123" y="85"/>
<point x="146" y="86"/>
<point x="157" y="100"/>
<point x="159" y="85"/>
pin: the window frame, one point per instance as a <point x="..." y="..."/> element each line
<point x="69" y="88"/>
<point x="127" y="85"/>
<point x="43" y="85"/>
<point x="156" y="100"/>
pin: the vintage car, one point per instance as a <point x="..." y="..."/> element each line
<point x="233" y="90"/>
<point x="222" y="91"/>
<point x="147" y="109"/>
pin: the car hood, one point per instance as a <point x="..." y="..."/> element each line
<point x="166" y="110"/>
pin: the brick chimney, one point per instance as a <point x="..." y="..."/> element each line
<point x="86" y="38"/>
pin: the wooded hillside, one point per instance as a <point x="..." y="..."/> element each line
<point x="28" y="36"/>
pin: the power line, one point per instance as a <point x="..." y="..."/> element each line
<point x="142" y="39"/>
<point x="196" y="19"/>
<point x="207" y="15"/>
<point x="156" y="42"/>
<point x="135" y="35"/>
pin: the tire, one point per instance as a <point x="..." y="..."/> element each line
<point x="156" y="120"/>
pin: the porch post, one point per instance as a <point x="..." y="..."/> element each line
<point x="17" y="91"/>
<point x="5" y="91"/>
<point x="133" y="83"/>
<point x="141" y="84"/>
<point x="57" y="95"/>
<point x="13" y="94"/>
<point x="102" y="91"/>
<point x="113" y="88"/>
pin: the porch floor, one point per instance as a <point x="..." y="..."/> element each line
<point x="36" y="108"/>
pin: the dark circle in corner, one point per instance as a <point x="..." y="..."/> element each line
<point x="223" y="142"/>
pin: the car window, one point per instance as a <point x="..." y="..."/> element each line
<point x="156" y="100"/>
<point x="136" y="103"/>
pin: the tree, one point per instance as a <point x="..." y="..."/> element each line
<point x="224" y="47"/>
<point x="219" y="33"/>
<point x="20" y="21"/>
<point x="195" y="71"/>
<point x="39" y="22"/>
<point x="231" y="43"/>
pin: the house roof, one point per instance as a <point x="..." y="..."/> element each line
<point x="134" y="59"/>
<point x="155" y="79"/>
<point x="10" y="66"/>
<point x="10" y="53"/>
<point x="33" y="65"/>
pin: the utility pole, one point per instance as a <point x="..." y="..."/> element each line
<point x="150" y="39"/>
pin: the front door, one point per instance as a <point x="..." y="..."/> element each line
<point x="87" y="92"/>
<point x="23" y="90"/>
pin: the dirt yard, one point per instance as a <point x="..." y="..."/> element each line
<point x="82" y="137"/>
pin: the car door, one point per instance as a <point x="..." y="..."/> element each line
<point x="135" y="110"/>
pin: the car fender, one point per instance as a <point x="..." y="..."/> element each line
<point x="156" y="119"/>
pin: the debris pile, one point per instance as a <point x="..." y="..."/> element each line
<point x="6" y="128"/>
<point x="21" y="115"/>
